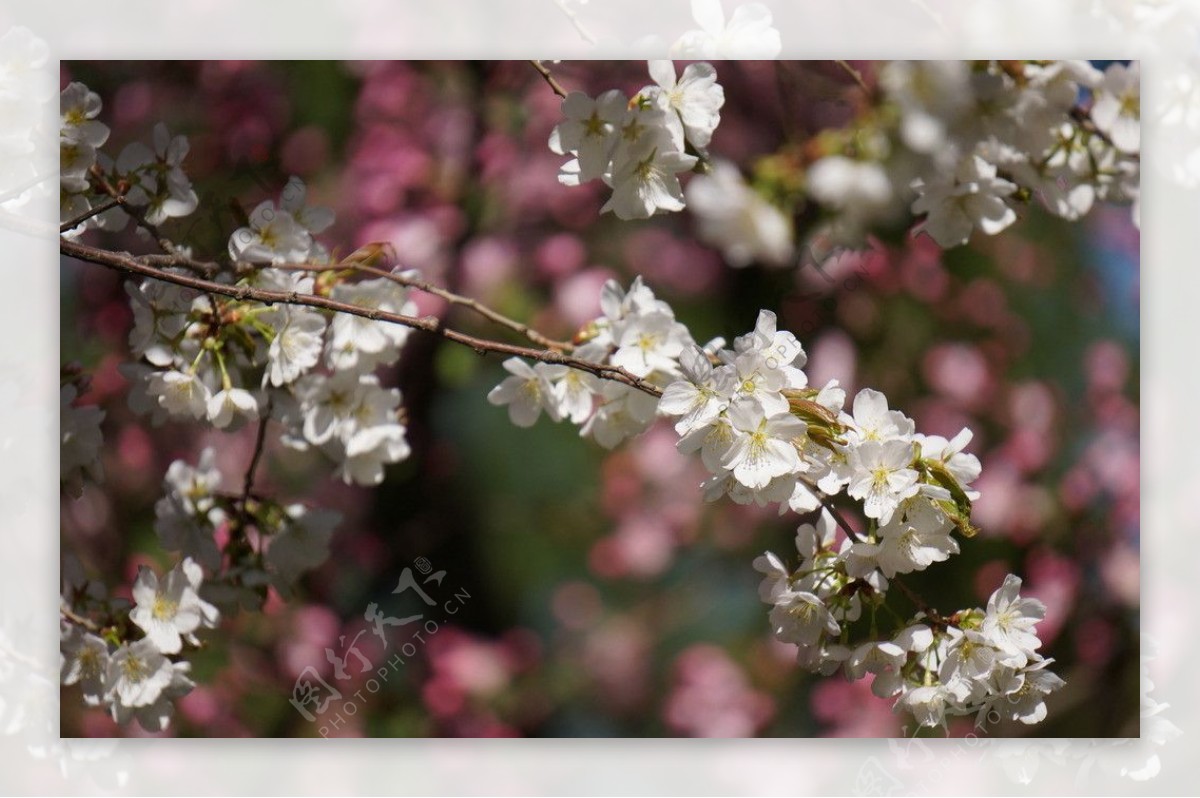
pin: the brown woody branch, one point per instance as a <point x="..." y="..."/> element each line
<point x="132" y="265"/>
<point x="550" y="81"/>
<point x="451" y="297"/>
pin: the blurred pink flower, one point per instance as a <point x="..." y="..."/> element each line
<point x="1121" y="570"/>
<point x="1107" y="366"/>
<point x="711" y="697"/>
<point x="832" y="356"/>
<point x="577" y="298"/>
<point x="488" y="263"/>
<point x="1053" y="579"/>
<point x="313" y="628"/>
<point x="576" y="605"/>
<point x="958" y="371"/>
<point x="850" y="709"/>
<point x="616" y="655"/>
<point x="559" y="255"/>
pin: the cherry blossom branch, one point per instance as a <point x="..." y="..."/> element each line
<point x="171" y="257"/>
<point x="455" y="299"/>
<point x="550" y="81"/>
<point x="130" y="264"/>
<point x="204" y="268"/>
<point x="107" y="205"/>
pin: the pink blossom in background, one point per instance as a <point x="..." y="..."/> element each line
<point x="850" y="709"/>
<point x="711" y="697"/>
<point x="316" y="628"/>
<point x="1053" y="580"/>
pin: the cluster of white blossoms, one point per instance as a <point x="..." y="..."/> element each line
<point x="156" y="178"/>
<point x="976" y="661"/>
<point x="136" y="677"/>
<point x="993" y="135"/>
<point x="193" y="512"/>
<point x="204" y="357"/>
<point x="637" y="333"/>
<point x="131" y="659"/>
<point x="150" y="178"/>
<point x="225" y="361"/>
<point x="283" y="234"/>
<point x="959" y="145"/>
<point x="639" y="145"/>
<point x="79" y="139"/>
<point x="768" y="437"/>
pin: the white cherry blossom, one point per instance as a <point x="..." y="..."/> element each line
<point x="137" y="675"/>
<point x="700" y="396"/>
<point x="1009" y="622"/>
<point x="357" y="343"/>
<point x="801" y="618"/>
<point x="696" y="97"/>
<point x="762" y="446"/>
<point x="1117" y="107"/>
<point x="296" y="345"/>
<point x="273" y="236"/>
<point x="587" y="132"/>
<point x="230" y="407"/>
<point x="650" y="343"/>
<point x="644" y="178"/>
<point x="973" y="196"/>
<point x="882" y="476"/>
<point x="172" y="611"/>
<point x="85" y="662"/>
<point x="527" y="392"/>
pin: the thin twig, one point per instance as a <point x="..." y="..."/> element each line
<point x="76" y="619"/>
<point x="451" y="297"/>
<point x="259" y="445"/>
<point x="837" y="516"/>
<point x="165" y="244"/>
<point x="856" y="75"/>
<point x="107" y="205"/>
<point x="919" y="602"/>
<point x="201" y="267"/>
<point x="545" y="73"/>
<point x="172" y="256"/>
<point x="127" y="263"/>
